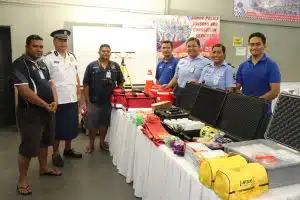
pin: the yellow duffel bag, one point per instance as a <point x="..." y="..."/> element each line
<point x="209" y="167"/>
<point x="241" y="183"/>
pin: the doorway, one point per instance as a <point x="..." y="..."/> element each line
<point x="7" y="105"/>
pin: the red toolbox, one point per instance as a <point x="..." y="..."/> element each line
<point x="162" y="94"/>
<point x="129" y="99"/>
<point x="118" y="97"/>
<point x="165" y="95"/>
<point x="138" y="100"/>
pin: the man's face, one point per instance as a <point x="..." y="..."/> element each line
<point x="166" y="49"/>
<point x="60" y="44"/>
<point x="217" y="55"/>
<point x="192" y="49"/>
<point x="104" y="53"/>
<point x="35" y="49"/>
<point x="256" y="46"/>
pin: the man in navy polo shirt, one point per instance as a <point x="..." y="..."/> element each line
<point x="259" y="76"/>
<point x="165" y="69"/>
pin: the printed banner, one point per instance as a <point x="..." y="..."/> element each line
<point x="179" y="28"/>
<point x="286" y="10"/>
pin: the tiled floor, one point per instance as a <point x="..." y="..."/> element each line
<point x="93" y="177"/>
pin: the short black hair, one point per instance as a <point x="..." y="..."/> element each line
<point x="193" y="39"/>
<point x="220" y="45"/>
<point x="259" y="35"/>
<point x="104" y="45"/>
<point x="168" y="42"/>
<point x="32" y="37"/>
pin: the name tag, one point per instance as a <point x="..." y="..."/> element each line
<point x="216" y="78"/>
<point x="108" y="74"/>
<point x="192" y="70"/>
<point x="41" y="74"/>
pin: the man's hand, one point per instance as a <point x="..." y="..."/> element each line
<point x="53" y="107"/>
<point x="48" y="107"/>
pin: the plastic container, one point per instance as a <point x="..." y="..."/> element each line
<point x="281" y="142"/>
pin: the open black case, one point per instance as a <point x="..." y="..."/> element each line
<point x="282" y="140"/>
<point x="206" y="108"/>
<point x="240" y="117"/>
<point x="243" y="117"/>
<point x="188" y="96"/>
<point x="187" y="99"/>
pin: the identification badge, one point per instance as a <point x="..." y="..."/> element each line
<point x="192" y="70"/>
<point x="216" y="79"/>
<point x="41" y="74"/>
<point x="108" y="74"/>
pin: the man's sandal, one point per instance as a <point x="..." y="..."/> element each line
<point x="24" y="190"/>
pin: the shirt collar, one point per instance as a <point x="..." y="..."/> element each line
<point x="200" y="57"/>
<point x="26" y="57"/>
<point x="224" y="64"/>
<point x="166" y="61"/>
<point x="264" y="58"/>
<point x="60" y="56"/>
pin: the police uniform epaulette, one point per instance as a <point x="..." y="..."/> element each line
<point x="230" y="65"/>
<point x="72" y="54"/>
<point x="183" y="57"/>
<point x="48" y="53"/>
<point x="208" y="64"/>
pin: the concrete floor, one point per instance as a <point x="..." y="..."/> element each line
<point x="93" y="177"/>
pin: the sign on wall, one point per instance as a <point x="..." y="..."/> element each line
<point x="286" y="10"/>
<point x="179" y="28"/>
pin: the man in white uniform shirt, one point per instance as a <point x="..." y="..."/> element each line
<point x="63" y="69"/>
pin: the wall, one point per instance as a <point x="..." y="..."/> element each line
<point x="43" y="16"/>
<point x="282" y="37"/>
<point x="152" y="6"/>
<point x="283" y="45"/>
<point x="42" y="19"/>
<point x="223" y="8"/>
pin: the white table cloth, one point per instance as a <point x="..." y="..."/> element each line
<point x="158" y="174"/>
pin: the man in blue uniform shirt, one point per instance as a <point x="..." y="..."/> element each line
<point x="165" y="69"/>
<point x="188" y="69"/>
<point x="259" y="76"/>
<point x="100" y="78"/>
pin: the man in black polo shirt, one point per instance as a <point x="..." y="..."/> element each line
<point x="37" y="105"/>
<point x="100" y="78"/>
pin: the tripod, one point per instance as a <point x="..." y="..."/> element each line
<point x="124" y="70"/>
<point x="123" y="66"/>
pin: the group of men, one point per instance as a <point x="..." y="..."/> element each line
<point x="49" y="99"/>
<point x="258" y="76"/>
<point x="50" y="95"/>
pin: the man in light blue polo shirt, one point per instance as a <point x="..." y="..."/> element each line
<point x="165" y="69"/>
<point x="189" y="68"/>
<point x="259" y="76"/>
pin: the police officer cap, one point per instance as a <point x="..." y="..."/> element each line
<point x="61" y="34"/>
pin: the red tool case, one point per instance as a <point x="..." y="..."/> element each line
<point x="129" y="99"/>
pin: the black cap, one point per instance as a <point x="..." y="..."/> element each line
<point x="61" y="34"/>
